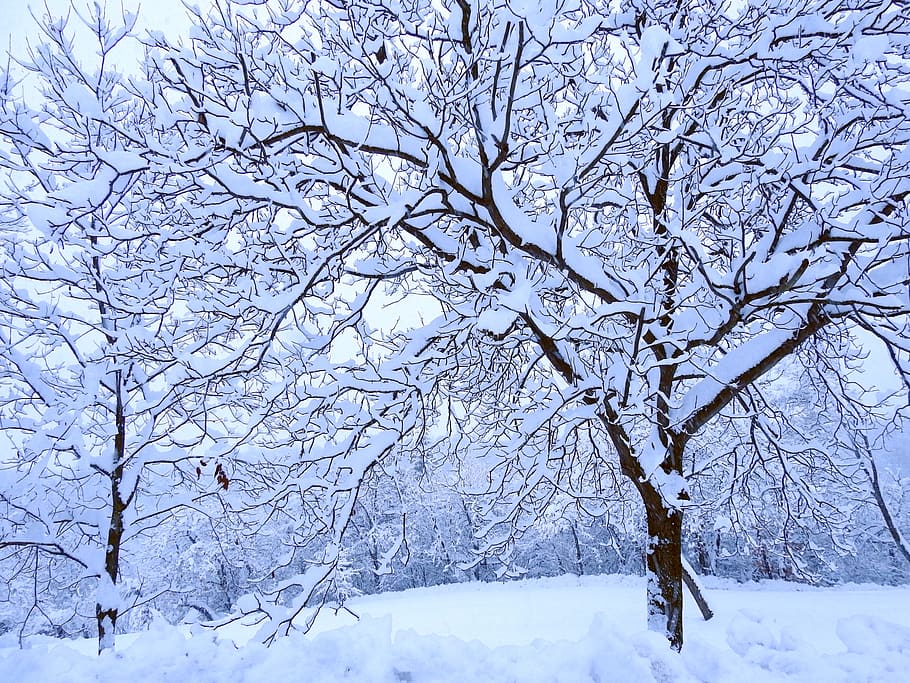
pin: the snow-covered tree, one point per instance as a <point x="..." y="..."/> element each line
<point x="97" y="336"/>
<point x="611" y="219"/>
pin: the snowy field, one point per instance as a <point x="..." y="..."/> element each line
<point x="564" y="630"/>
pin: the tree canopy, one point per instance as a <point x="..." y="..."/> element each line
<point x="610" y="224"/>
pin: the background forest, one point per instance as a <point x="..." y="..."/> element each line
<point x="416" y="525"/>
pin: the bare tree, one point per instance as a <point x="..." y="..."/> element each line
<point x="96" y="344"/>
<point x="617" y="221"/>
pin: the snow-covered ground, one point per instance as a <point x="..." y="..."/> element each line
<point x="564" y="630"/>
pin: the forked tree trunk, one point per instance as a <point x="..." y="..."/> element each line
<point x="664" y="572"/>
<point x="663" y="558"/>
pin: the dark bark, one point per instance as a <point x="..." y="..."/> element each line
<point x="107" y="614"/>
<point x="664" y="571"/>
<point x="579" y="560"/>
<point x="107" y="611"/>
<point x="688" y="575"/>
<point x="663" y="560"/>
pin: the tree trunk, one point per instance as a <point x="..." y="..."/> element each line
<point x="692" y="583"/>
<point x="107" y="607"/>
<point x="896" y="536"/>
<point x="664" y="572"/>
<point x="579" y="560"/>
<point x="475" y="547"/>
<point x="663" y="560"/>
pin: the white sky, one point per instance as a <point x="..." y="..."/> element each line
<point x="17" y="27"/>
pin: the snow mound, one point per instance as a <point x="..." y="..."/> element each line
<point x="395" y="641"/>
